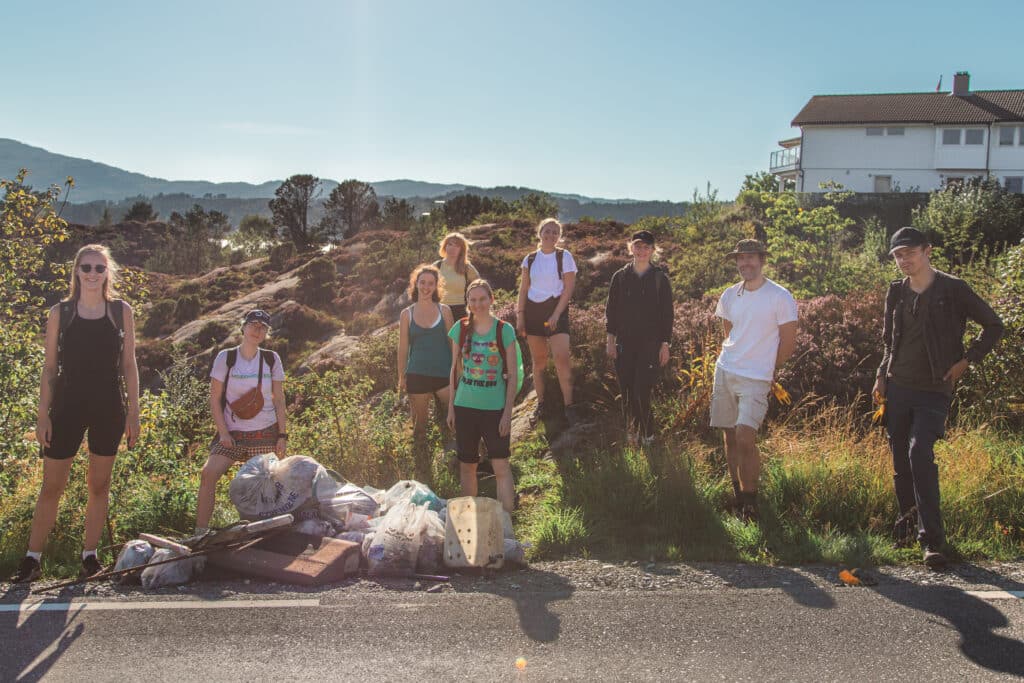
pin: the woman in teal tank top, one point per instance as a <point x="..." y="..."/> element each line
<point x="424" y="356"/>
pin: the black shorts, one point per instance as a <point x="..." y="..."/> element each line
<point x="471" y="425"/>
<point x="538" y="313"/>
<point x="104" y="424"/>
<point x="424" y="384"/>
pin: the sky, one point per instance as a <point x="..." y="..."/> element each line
<point x="646" y="100"/>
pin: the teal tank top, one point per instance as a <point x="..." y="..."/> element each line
<point x="429" y="351"/>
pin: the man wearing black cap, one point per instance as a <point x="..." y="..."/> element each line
<point x="639" y="318"/>
<point x="922" y="335"/>
<point x="760" y="321"/>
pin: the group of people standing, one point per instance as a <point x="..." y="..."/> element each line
<point x="454" y="349"/>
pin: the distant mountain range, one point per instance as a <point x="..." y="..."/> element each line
<point x="99" y="185"/>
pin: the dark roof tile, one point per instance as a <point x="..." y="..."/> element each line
<point x="979" y="107"/>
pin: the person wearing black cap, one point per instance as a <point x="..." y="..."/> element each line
<point x="639" y="317"/>
<point x="247" y="402"/>
<point x="760" y="321"/>
<point x="926" y="315"/>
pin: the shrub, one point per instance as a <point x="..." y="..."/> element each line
<point x="187" y="308"/>
<point x="361" y="323"/>
<point x="280" y="254"/>
<point x="212" y="333"/>
<point x="159" y="317"/>
<point x="317" y="281"/>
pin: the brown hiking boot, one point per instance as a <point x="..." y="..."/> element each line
<point x="933" y="559"/>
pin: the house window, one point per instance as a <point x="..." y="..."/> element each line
<point x="875" y="131"/>
<point x="894" y="131"/>
<point x="1014" y="184"/>
<point x="1020" y="136"/>
<point x="951" y="136"/>
<point x="883" y="183"/>
<point x="975" y="136"/>
<point x="1006" y="136"/>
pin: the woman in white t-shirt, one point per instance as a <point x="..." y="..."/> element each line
<point x="542" y="313"/>
<point x="235" y="373"/>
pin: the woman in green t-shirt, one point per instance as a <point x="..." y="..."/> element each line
<point x="424" y="357"/>
<point x="482" y="388"/>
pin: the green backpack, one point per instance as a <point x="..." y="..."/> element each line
<point x="464" y="333"/>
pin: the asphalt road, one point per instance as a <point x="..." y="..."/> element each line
<point x="806" y="631"/>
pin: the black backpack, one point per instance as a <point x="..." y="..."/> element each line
<point x="559" y="255"/>
<point x="232" y="358"/>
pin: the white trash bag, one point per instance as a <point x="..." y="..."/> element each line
<point x="396" y="544"/>
<point x="414" y="491"/>
<point x="173" y="573"/>
<point x="266" y="487"/>
<point x="338" y="501"/>
<point x="135" y="553"/>
<point x="430" y="559"/>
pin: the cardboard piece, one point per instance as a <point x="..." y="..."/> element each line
<point x="473" y="533"/>
<point x="294" y="558"/>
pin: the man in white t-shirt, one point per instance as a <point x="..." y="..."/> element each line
<point x="760" y="320"/>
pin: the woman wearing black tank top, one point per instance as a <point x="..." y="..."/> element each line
<point x="89" y="369"/>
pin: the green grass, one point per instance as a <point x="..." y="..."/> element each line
<point x="826" y="491"/>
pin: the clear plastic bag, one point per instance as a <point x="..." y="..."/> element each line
<point x="173" y="573"/>
<point x="430" y="559"/>
<point x="414" y="491"/>
<point x="338" y="501"/>
<point x="396" y="544"/>
<point x="135" y="553"/>
<point x="267" y="487"/>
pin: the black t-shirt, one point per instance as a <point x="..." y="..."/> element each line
<point x="910" y="367"/>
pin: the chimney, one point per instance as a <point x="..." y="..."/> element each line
<point x="961" y="83"/>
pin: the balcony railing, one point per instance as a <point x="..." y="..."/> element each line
<point x="784" y="160"/>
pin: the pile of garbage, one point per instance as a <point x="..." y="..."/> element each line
<point x="404" y="531"/>
<point x="401" y="530"/>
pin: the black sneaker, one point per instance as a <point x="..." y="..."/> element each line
<point x="904" y="530"/>
<point x="28" y="571"/>
<point x="748" y="513"/>
<point x="572" y="417"/>
<point x="90" y="567"/>
<point x="933" y="559"/>
<point x="538" y="413"/>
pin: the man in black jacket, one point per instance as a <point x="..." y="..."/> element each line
<point x="639" y="318"/>
<point x="923" y="330"/>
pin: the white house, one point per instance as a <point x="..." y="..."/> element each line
<point x="905" y="141"/>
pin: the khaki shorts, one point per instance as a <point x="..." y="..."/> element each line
<point x="738" y="400"/>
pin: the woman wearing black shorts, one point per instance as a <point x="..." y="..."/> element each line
<point x="90" y="386"/>
<point x="424" y="356"/>
<point x="542" y="313"/>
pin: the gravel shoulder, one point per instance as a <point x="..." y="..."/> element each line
<point x="562" y="578"/>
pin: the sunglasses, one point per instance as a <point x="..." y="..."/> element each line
<point x="87" y="268"/>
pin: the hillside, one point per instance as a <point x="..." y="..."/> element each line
<point x="99" y="186"/>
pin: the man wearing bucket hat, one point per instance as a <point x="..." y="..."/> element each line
<point x="760" y="320"/>
<point x="926" y="316"/>
<point x="248" y="407"/>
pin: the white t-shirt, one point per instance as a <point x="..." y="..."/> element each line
<point x="544" y="280"/>
<point x="243" y="378"/>
<point x="753" y="342"/>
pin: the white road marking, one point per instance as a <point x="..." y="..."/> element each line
<point x="106" y="605"/>
<point x="997" y="595"/>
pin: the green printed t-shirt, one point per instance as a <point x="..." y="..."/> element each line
<point x="481" y="385"/>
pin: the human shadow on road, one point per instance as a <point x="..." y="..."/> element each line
<point x="38" y="633"/>
<point x="975" y="619"/>
<point x="797" y="585"/>
<point x="531" y="591"/>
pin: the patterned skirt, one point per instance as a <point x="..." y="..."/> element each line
<point x="247" y="444"/>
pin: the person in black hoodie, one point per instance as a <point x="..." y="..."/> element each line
<point x="639" y="318"/>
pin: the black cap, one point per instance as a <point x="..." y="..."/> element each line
<point x="643" y="236"/>
<point x="259" y="316"/>
<point x="907" y="237"/>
